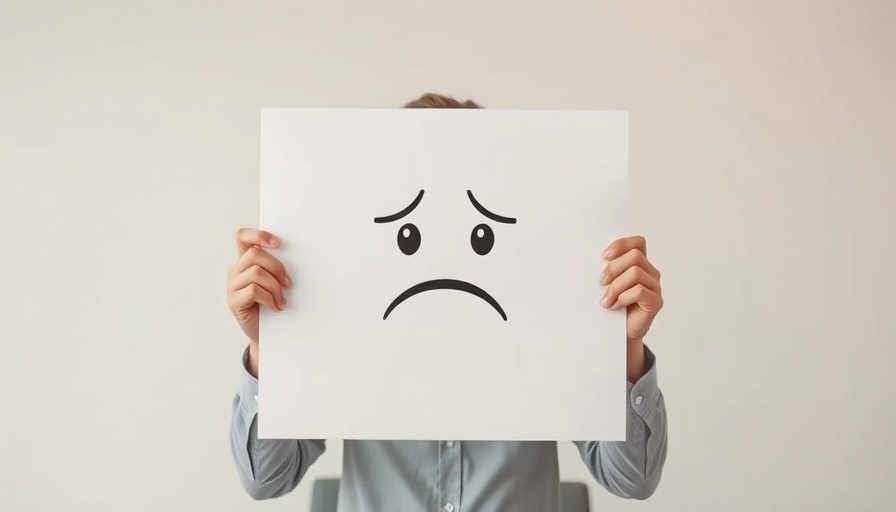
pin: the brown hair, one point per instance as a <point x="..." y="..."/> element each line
<point x="433" y="100"/>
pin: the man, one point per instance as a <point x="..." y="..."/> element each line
<point x="448" y="476"/>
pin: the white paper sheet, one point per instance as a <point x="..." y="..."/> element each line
<point x="401" y="329"/>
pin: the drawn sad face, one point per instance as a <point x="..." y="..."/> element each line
<point x="482" y="240"/>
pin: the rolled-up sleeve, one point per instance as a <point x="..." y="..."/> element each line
<point x="632" y="468"/>
<point x="267" y="468"/>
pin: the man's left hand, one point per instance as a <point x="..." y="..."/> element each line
<point x="632" y="282"/>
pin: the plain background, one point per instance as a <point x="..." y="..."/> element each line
<point x="762" y="159"/>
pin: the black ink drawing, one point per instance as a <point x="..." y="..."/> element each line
<point x="482" y="240"/>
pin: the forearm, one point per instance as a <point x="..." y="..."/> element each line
<point x="632" y="468"/>
<point x="252" y="359"/>
<point x="267" y="468"/>
<point x="636" y="360"/>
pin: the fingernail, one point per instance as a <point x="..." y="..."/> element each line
<point x="603" y="276"/>
<point x="607" y="253"/>
<point x="287" y="281"/>
<point x="273" y="241"/>
<point x="603" y="301"/>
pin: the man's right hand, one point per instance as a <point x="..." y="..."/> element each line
<point x="257" y="278"/>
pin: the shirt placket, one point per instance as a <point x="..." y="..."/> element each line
<point x="449" y="476"/>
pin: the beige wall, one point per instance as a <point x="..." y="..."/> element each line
<point x="762" y="172"/>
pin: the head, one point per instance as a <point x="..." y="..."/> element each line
<point x="432" y="100"/>
<point x="481" y="238"/>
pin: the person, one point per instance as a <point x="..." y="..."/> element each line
<point x="453" y="476"/>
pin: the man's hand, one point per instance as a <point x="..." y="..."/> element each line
<point x="632" y="282"/>
<point x="257" y="278"/>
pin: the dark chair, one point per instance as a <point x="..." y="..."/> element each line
<point x="325" y="494"/>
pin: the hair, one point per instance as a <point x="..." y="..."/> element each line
<point x="433" y="100"/>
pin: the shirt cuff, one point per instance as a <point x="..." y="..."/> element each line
<point x="248" y="387"/>
<point x="644" y="394"/>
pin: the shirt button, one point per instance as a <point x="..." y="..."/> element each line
<point x="256" y="397"/>
<point x="448" y="507"/>
<point x="449" y="444"/>
<point x="638" y="400"/>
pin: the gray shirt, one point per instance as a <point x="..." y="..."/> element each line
<point x="454" y="476"/>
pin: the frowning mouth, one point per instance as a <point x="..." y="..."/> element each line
<point x="445" y="284"/>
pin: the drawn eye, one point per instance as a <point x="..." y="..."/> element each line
<point x="482" y="239"/>
<point x="409" y="239"/>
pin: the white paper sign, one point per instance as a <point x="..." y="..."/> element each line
<point x="446" y="274"/>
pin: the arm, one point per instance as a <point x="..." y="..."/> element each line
<point x="267" y="468"/>
<point x="632" y="468"/>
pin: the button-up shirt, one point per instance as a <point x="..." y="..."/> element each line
<point x="454" y="476"/>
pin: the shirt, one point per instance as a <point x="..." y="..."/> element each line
<point x="454" y="476"/>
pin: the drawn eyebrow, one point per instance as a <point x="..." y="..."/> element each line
<point x="395" y="216"/>
<point x="493" y="216"/>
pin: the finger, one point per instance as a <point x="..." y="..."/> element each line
<point x="634" y="276"/>
<point x="623" y="245"/>
<point x="633" y="258"/>
<point x="257" y="256"/>
<point x="257" y="275"/>
<point x="250" y="295"/>
<point x="249" y="237"/>
<point x="646" y="299"/>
